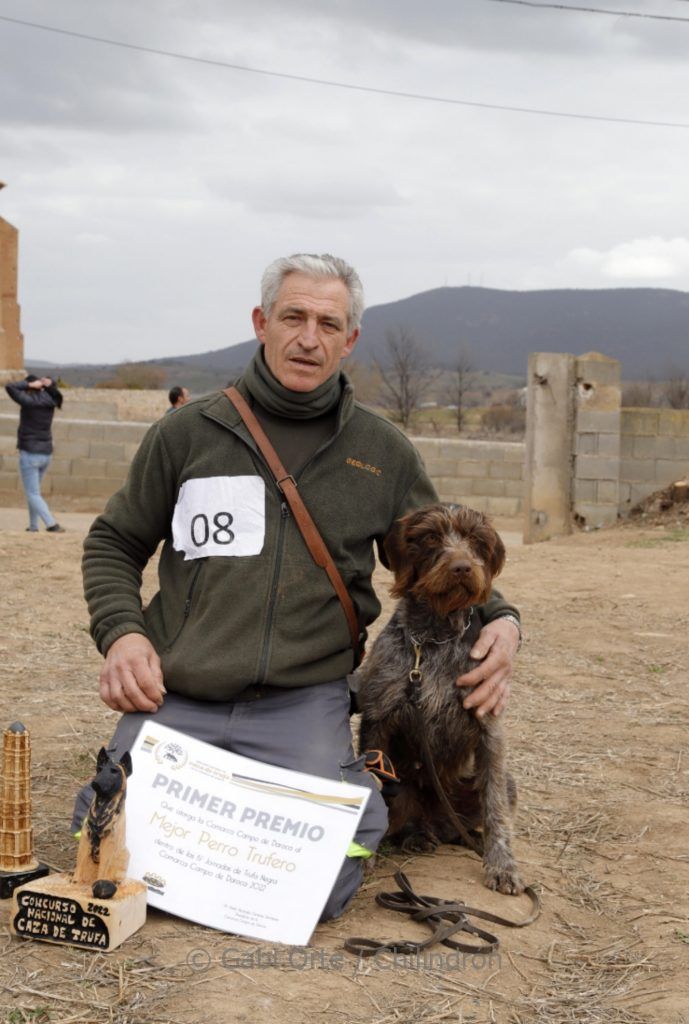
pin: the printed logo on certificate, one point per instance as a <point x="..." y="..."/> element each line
<point x="232" y="843"/>
<point x="220" y="516"/>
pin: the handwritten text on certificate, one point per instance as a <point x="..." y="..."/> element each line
<point x="232" y="843"/>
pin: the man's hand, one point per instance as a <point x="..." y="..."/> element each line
<point x="131" y="678"/>
<point x="495" y="648"/>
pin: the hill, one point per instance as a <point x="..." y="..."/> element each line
<point x="647" y="329"/>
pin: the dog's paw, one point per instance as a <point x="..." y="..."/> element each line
<point x="503" y="879"/>
<point x="420" y="842"/>
<point x="458" y="840"/>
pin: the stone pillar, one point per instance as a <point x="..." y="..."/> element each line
<point x="598" y="400"/>
<point x="549" y="446"/>
<point x="11" y="338"/>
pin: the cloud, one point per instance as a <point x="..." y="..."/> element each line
<point x="638" y="261"/>
<point x="151" y="192"/>
<point x="308" y="192"/>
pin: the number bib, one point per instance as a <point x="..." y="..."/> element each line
<point x="220" y="515"/>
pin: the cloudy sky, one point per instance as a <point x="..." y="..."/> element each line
<point x="151" y="191"/>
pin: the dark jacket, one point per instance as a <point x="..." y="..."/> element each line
<point x="270" y="616"/>
<point x="35" y="417"/>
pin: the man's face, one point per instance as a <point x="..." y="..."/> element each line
<point x="306" y="336"/>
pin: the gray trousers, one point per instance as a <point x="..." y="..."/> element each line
<point x="306" y="729"/>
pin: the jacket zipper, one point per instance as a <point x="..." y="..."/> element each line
<point x="277" y="565"/>
<point x="284" y="516"/>
<point x="187" y="605"/>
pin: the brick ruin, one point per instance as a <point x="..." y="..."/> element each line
<point x="11" y="338"/>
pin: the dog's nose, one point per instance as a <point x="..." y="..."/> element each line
<point x="460" y="566"/>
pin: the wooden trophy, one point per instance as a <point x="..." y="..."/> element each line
<point x="97" y="907"/>
<point x="17" y="862"/>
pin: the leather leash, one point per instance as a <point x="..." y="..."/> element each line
<point x="415" y="677"/>
<point x="473" y="843"/>
<point x="445" y="917"/>
<point x="287" y="486"/>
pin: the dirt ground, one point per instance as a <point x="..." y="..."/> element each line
<point x="599" y="746"/>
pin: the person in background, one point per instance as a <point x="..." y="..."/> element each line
<point x="38" y="398"/>
<point x="178" y="397"/>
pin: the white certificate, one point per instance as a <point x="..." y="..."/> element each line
<point x="232" y="843"/>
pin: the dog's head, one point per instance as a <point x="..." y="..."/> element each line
<point x="111" y="776"/>
<point x="445" y="556"/>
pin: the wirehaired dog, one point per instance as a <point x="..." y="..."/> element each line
<point x="444" y="559"/>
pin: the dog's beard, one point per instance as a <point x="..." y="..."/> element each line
<point x="445" y="594"/>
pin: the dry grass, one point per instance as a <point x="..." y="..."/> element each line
<point x="598" y="745"/>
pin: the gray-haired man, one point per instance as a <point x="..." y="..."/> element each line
<point x="246" y="645"/>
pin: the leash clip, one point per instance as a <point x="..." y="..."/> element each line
<point x="415" y="673"/>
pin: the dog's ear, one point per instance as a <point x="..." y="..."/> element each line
<point x="126" y="762"/>
<point x="102" y="759"/>
<point x="395" y="546"/>
<point x="497" y="556"/>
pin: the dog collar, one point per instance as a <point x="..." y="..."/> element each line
<point x="417" y="643"/>
<point x="423" y="638"/>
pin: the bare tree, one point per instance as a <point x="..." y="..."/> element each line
<point x="404" y="375"/>
<point x="676" y="389"/>
<point x="135" y="377"/>
<point x="366" y="380"/>
<point x="637" y="394"/>
<point x="460" y="382"/>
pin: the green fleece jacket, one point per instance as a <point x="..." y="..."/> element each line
<point x="241" y="601"/>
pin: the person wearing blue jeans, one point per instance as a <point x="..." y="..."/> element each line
<point x="38" y="399"/>
<point x="32" y="466"/>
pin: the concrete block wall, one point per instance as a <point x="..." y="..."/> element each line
<point x="549" y="458"/>
<point x="487" y="475"/>
<point x="620" y="456"/>
<point x="596" y="440"/>
<point x="74" y="407"/>
<point x="654" y="452"/>
<point x="91" y="457"/>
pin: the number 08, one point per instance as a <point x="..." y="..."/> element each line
<point x="201" y="532"/>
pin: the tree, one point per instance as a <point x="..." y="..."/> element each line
<point x="676" y="389"/>
<point x="404" y="376"/>
<point x="637" y="394"/>
<point x="366" y="380"/>
<point x="460" y="382"/>
<point x="135" y="377"/>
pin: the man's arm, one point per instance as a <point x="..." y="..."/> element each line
<point x="131" y="678"/>
<point x="117" y="548"/>
<point x="496" y="647"/>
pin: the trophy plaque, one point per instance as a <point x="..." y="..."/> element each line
<point x="96" y="907"/>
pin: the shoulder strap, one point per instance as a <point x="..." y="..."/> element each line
<point x="309" y="531"/>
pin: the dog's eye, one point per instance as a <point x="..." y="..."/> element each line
<point x="426" y="540"/>
<point x="483" y="546"/>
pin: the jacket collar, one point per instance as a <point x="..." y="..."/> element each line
<point x="219" y="409"/>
